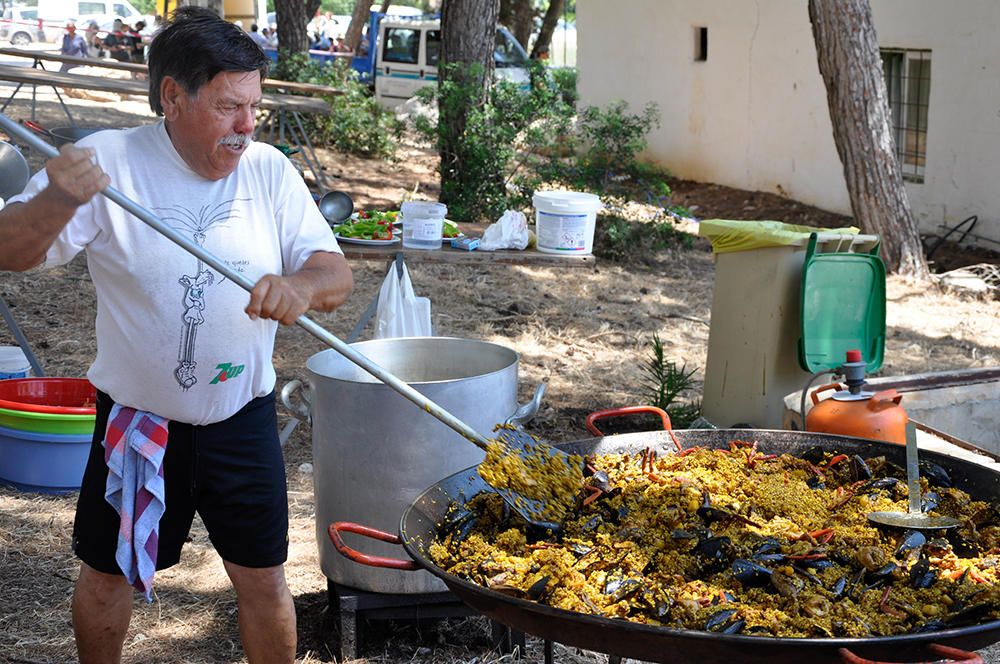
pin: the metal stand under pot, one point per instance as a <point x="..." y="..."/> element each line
<point x="351" y="607"/>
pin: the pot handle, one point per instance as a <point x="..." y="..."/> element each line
<point x="953" y="655"/>
<point x="525" y="412"/>
<point x="363" y="558"/>
<point x="814" y="395"/>
<point x="301" y="411"/>
<point x="632" y="410"/>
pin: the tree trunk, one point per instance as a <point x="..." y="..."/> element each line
<point x="506" y="15"/>
<point x="524" y="17"/>
<point x="849" y="61"/>
<point x="359" y="19"/>
<point x="468" y="35"/>
<point x="292" y="16"/>
<point x="544" y="39"/>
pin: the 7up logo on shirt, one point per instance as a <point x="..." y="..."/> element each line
<point x="226" y="371"/>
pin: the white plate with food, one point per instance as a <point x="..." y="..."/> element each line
<point x="366" y="241"/>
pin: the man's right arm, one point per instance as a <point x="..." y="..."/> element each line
<point x="27" y="230"/>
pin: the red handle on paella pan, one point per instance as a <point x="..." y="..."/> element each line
<point x="631" y="410"/>
<point x="335" y="529"/>
<point x="953" y="655"/>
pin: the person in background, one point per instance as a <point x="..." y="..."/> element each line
<point x="94" y="48"/>
<point x="339" y="46"/>
<point x="138" y="48"/>
<point x="184" y="367"/>
<point x="72" y="44"/>
<point x="115" y="45"/>
<point x="257" y="37"/>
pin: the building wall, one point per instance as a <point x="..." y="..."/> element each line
<point x="753" y="114"/>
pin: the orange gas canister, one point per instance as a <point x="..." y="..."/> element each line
<point x="852" y="411"/>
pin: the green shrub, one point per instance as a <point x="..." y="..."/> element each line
<point x="614" y="139"/>
<point x="624" y="240"/>
<point x="357" y="124"/>
<point x="564" y="79"/>
<point x="491" y="170"/>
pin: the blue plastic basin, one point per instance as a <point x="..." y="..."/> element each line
<point x="42" y="462"/>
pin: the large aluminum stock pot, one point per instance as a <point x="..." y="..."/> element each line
<point x="374" y="451"/>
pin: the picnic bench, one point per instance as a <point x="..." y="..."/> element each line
<point x="280" y="122"/>
<point x="39" y="58"/>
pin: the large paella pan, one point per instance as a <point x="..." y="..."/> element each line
<point x="431" y="519"/>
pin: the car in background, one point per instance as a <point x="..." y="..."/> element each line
<point x="20" y="26"/>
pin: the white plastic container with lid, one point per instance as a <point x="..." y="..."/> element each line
<point x="13" y="363"/>
<point x="565" y="221"/>
<point x="423" y="224"/>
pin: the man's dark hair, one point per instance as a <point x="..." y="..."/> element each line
<point x="195" y="46"/>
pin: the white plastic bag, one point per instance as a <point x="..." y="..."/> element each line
<point x="400" y="313"/>
<point x="508" y="232"/>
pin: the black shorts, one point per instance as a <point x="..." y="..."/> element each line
<point x="231" y="472"/>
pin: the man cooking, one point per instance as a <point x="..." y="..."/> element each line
<point x="183" y="360"/>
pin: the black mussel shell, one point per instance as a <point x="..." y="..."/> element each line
<point x="860" y="469"/>
<point x="921" y="574"/>
<point x="912" y="539"/>
<point x="538" y="588"/>
<point x="815" y="482"/>
<point x="715" y="550"/>
<point x="935" y="474"/>
<point x="814" y="455"/>
<point x="838" y="587"/>
<point x="750" y="573"/>
<point x="718" y="620"/>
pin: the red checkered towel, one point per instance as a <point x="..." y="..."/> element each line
<point x="134" y="445"/>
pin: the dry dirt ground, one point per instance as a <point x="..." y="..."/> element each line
<point x="586" y="332"/>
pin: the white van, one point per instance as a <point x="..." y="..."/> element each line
<point x="84" y="11"/>
<point x="407" y="53"/>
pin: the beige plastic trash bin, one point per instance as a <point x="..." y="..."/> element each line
<point x="752" y="344"/>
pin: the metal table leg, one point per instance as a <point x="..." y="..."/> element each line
<point x="22" y="341"/>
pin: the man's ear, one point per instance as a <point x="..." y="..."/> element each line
<point x="172" y="95"/>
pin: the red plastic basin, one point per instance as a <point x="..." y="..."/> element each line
<point x="62" y="396"/>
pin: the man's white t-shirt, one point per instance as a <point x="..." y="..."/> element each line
<point x="172" y="334"/>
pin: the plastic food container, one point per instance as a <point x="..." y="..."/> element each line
<point x="13" y="363"/>
<point x="423" y="224"/>
<point x="565" y="221"/>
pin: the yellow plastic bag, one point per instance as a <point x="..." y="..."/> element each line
<point x="729" y="235"/>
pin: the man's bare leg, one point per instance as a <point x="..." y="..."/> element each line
<point x="102" y="608"/>
<point x="267" y="613"/>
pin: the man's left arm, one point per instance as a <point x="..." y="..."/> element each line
<point x="324" y="283"/>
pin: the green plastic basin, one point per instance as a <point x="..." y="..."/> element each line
<point x="23" y="420"/>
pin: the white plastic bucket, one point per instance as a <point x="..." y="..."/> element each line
<point x="13" y="363"/>
<point x="423" y="224"/>
<point x="565" y="221"/>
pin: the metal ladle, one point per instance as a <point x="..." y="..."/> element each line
<point x="519" y="442"/>
<point x="915" y="519"/>
<point x="336" y="207"/>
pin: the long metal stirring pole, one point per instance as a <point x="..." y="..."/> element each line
<point x="305" y="323"/>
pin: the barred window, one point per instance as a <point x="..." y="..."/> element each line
<point x="908" y="80"/>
